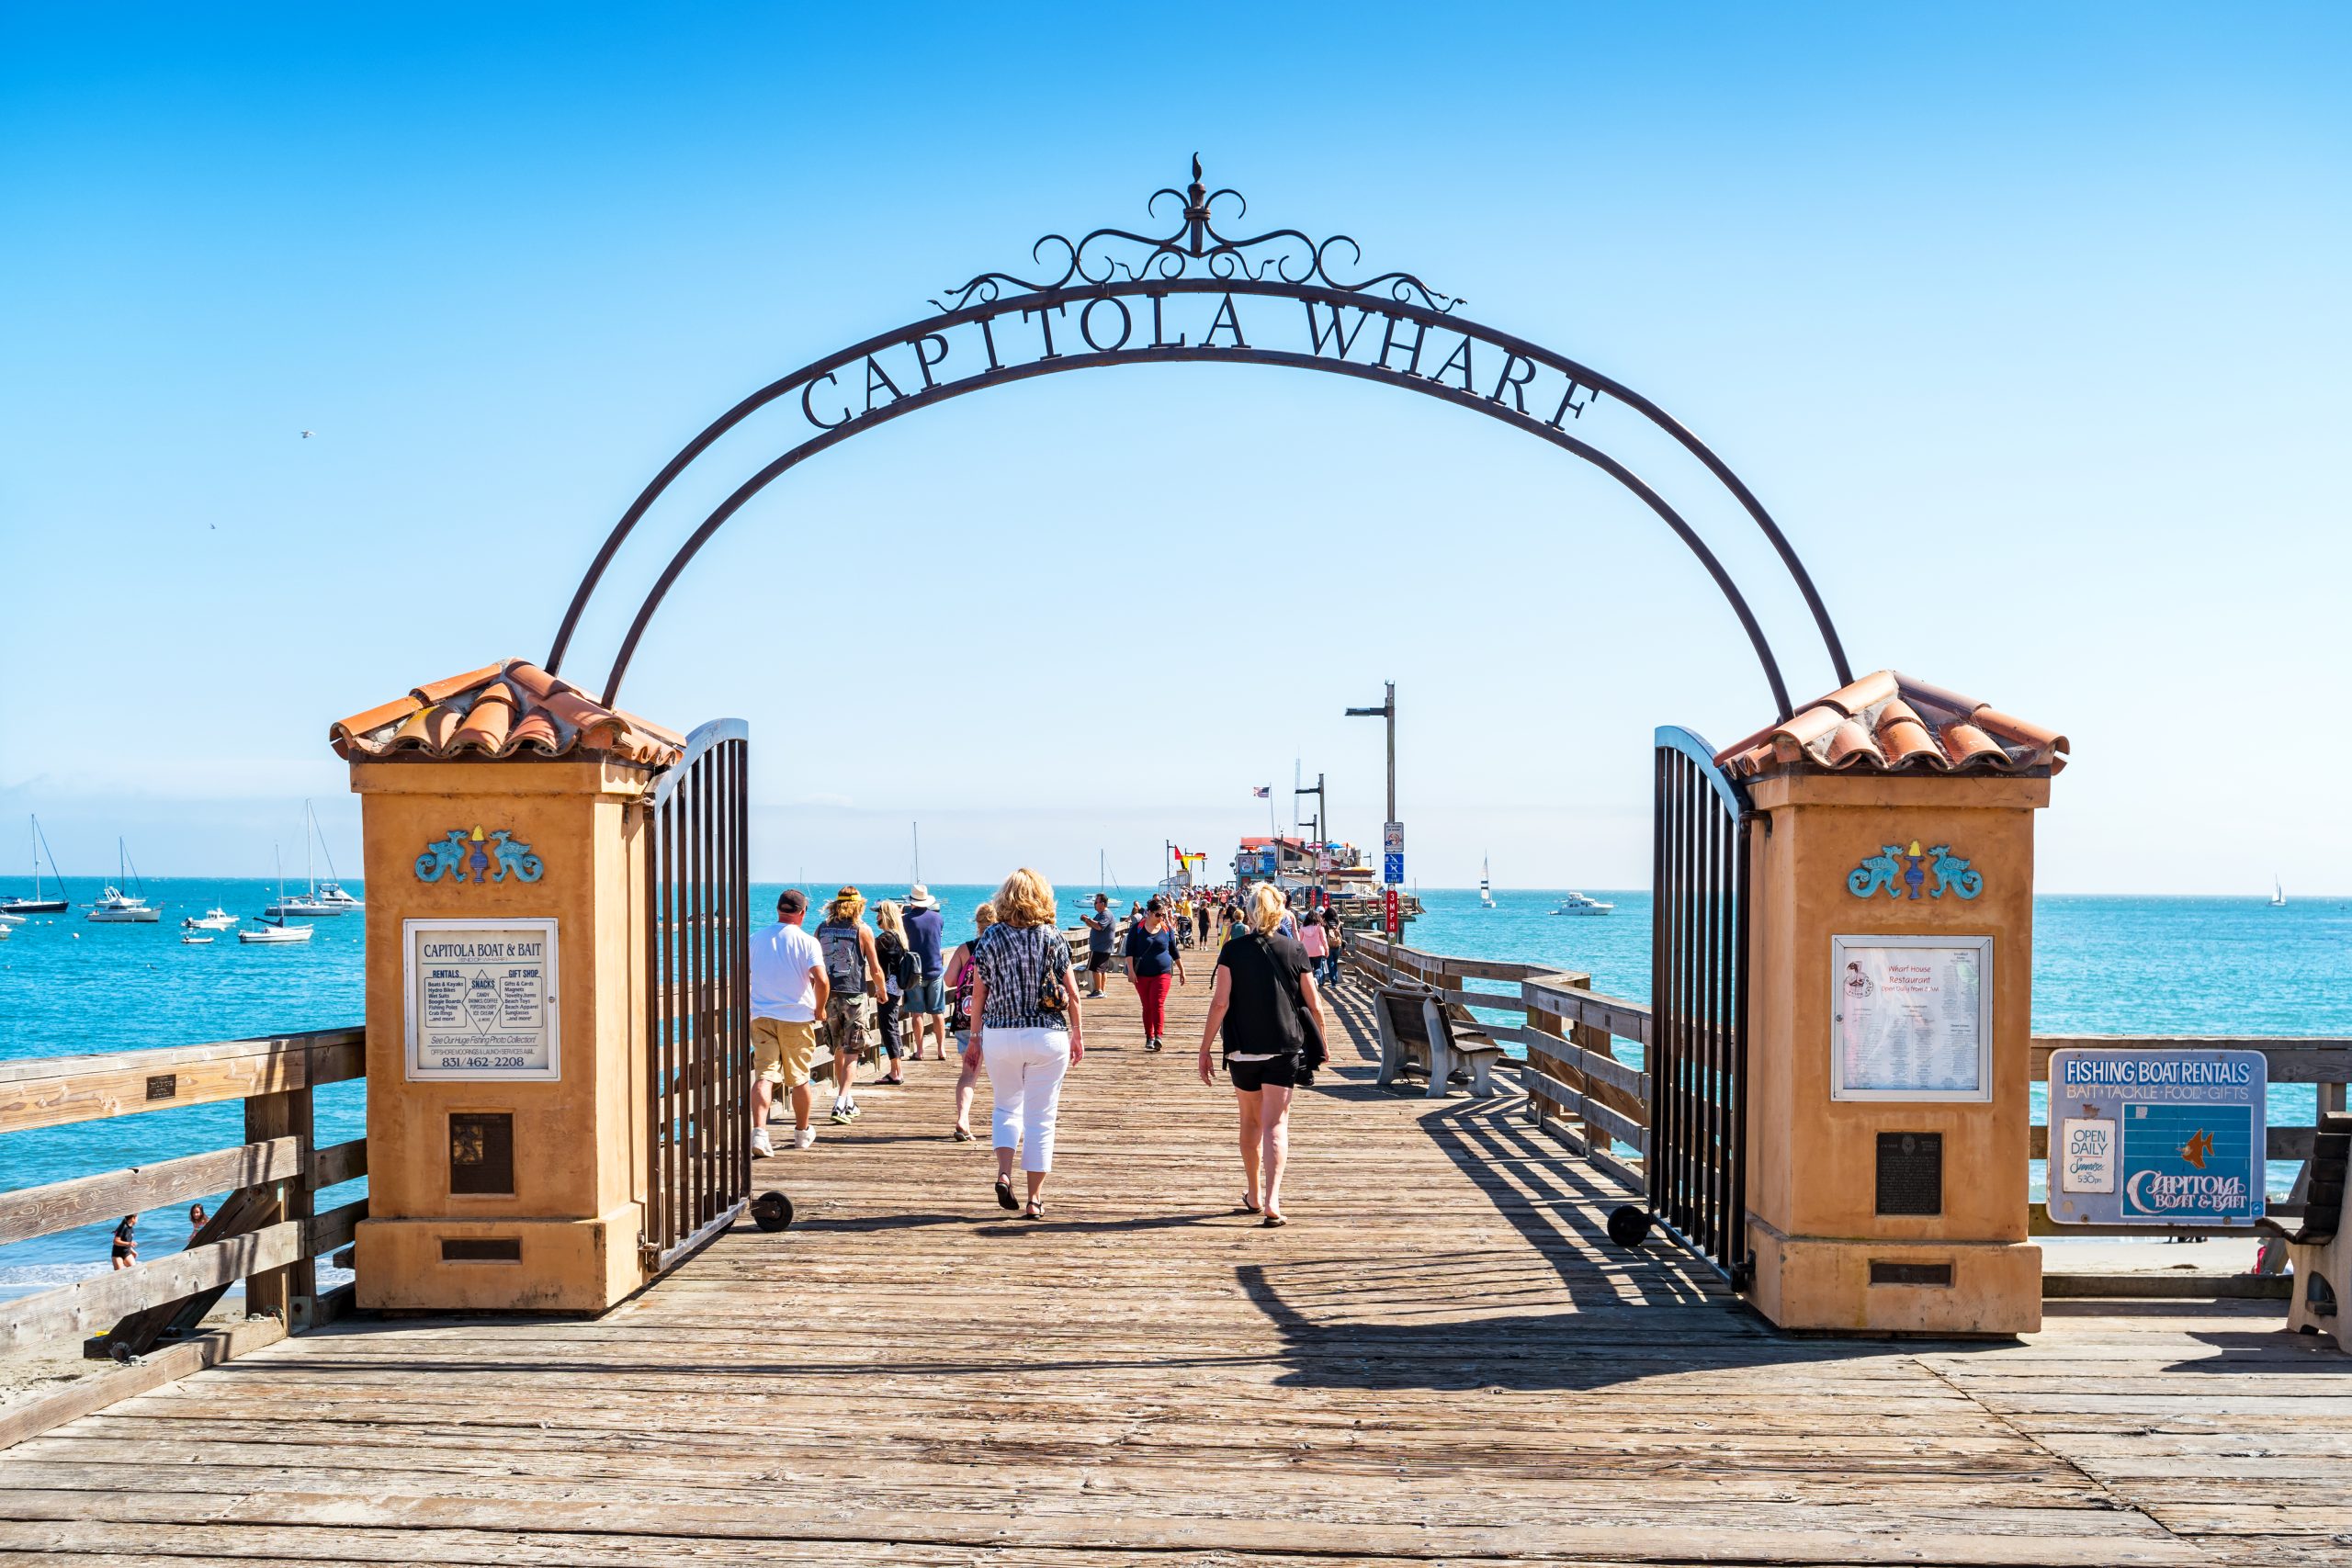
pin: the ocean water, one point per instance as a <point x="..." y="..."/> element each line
<point x="2102" y="965"/>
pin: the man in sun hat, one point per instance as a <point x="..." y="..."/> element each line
<point x="927" y="1000"/>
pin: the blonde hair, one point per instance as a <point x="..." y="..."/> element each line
<point x="847" y="905"/>
<point x="886" y="915"/>
<point x="1267" y="907"/>
<point x="1025" y="899"/>
<point x="985" y="915"/>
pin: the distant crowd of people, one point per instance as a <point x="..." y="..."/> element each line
<point x="1009" y="998"/>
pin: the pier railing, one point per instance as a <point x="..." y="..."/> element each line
<point x="267" y="1232"/>
<point x="1581" y="1091"/>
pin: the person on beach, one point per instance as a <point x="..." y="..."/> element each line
<point x="126" y="1242"/>
<point x="1102" y="925"/>
<point x="1265" y="1005"/>
<point x="854" y="971"/>
<point x="1030" y="1034"/>
<point x="788" y="992"/>
<point x="1153" y="961"/>
<point x="195" y="1222"/>
<point x="927" y="1003"/>
<point x="960" y="976"/>
<point x="891" y="946"/>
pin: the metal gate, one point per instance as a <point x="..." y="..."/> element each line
<point x="1697" y="1054"/>
<point x="698" y="1000"/>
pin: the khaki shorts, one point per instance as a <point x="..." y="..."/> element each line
<point x="782" y="1049"/>
<point x="849" y="1025"/>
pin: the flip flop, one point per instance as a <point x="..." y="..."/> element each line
<point x="1004" y="1199"/>
<point x="1272" y="1221"/>
<point x="1034" y="1212"/>
<point x="1249" y="1206"/>
<point x="963" y="1134"/>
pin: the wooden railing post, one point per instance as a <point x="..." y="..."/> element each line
<point x="291" y="1291"/>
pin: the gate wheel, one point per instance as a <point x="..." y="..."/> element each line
<point x="772" y="1210"/>
<point x="1628" y="1226"/>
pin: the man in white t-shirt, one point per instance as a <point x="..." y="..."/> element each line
<point x="788" y="993"/>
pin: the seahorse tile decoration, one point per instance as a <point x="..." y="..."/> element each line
<point x="1905" y="873"/>
<point x="473" y="857"/>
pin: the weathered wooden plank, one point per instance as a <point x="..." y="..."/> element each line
<point x="339" y="1163"/>
<point x="1627" y="1020"/>
<point x="2298" y="1060"/>
<point x="98" y="1302"/>
<point x="62" y="1206"/>
<point x="51" y="1092"/>
<point x="86" y="1396"/>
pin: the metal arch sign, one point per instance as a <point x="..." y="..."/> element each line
<point x="1278" y="298"/>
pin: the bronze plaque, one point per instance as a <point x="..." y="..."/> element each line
<point x="1910" y="1173"/>
<point x="481" y="1153"/>
<point x="1885" y="1274"/>
<point x="482" y="1249"/>
<point x="164" y="1086"/>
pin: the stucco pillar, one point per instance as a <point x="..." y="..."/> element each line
<point x="1896" y="1201"/>
<point x="506" y="1000"/>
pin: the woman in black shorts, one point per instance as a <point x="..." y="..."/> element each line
<point x="126" y="1242"/>
<point x="1265" y="1003"/>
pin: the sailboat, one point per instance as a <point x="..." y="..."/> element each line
<point x="312" y="905"/>
<point x="118" y="907"/>
<point x="36" y="905"/>
<point x="1486" y="892"/>
<point x="266" y="930"/>
<point x="2277" y="893"/>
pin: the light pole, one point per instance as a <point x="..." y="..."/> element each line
<point x="1320" y="833"/>
<point x="1387" y="710"/>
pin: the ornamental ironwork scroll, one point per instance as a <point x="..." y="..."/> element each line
<point x="1195" y="249"/>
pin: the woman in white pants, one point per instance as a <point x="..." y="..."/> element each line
<point x="1025" y="996"/>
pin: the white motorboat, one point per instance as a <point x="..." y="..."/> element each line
<point x="312" y="905"/>
<point x="189" y="938"/>
<point x="7" y="920"/>
<point x="4" y="933"/>
<point x="269" y="932"/>
<point x="116" y="908"/>
<point x="337" y="897"/>
<point x="216" y="918"/>
<point x="1486" y="893"/>
<point x="1577" y="904"/>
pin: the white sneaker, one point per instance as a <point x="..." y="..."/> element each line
<point x="804" y="1138"/>
<point x="761" y="1147"/>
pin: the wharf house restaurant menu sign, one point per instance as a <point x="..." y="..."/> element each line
<point x="2157" y="1137"/>
<point x="481" y="999"/>
<point x="1911" y="1018"/>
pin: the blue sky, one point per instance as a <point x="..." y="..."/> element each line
<point x="2027" y="322"/>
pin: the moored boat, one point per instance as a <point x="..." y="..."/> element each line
<point x="1577" y="904"/>
<point x="266" y="932"/>
<point x="37" y="904"/>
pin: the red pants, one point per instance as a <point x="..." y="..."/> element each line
<point x="1153" y="989"/>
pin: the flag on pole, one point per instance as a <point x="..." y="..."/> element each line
<point x="1263" y="790"/>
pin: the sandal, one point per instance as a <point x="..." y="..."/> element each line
<point x="1036" y="1211"/>
<point x="963" y="1134"/>
<point x="1272" y="1221"/>
<point x="1248" y="1205"/>
<point x="1004" y="1199"/>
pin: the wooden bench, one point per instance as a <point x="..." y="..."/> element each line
<point x="2321" y="1247"/>
<point x="1417" y="1036"/>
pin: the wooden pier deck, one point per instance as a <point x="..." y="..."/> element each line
<point x="1442" y="1360"/>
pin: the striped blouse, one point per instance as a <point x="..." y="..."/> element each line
<point x="1014" y="961"/>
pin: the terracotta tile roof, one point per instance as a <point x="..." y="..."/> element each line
<point x="512" y="708"/>
<point x="1889" y="723"/>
